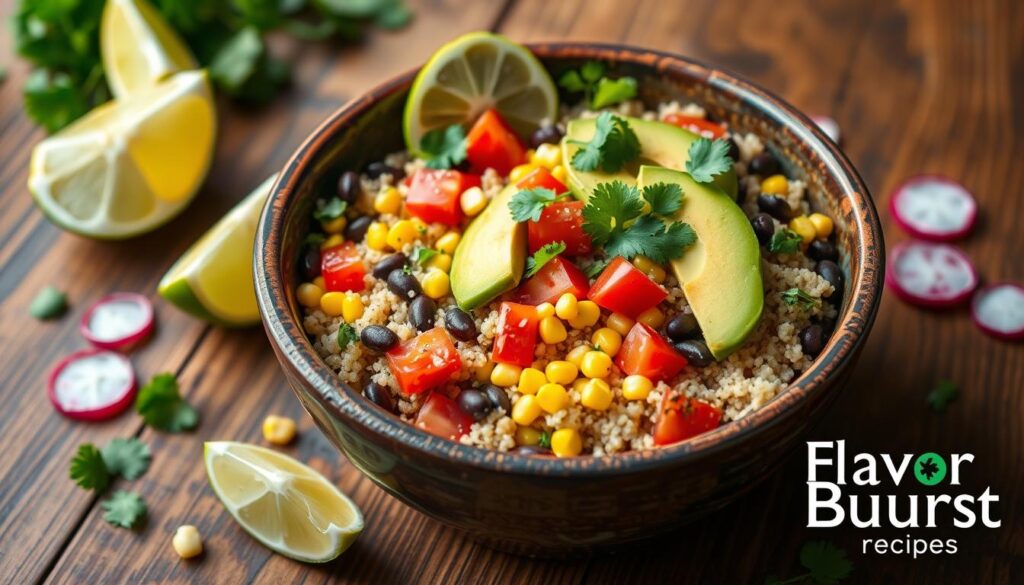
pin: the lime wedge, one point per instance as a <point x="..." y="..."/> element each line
<point x="129" y="165"/>
<point x="138" y="47"/>
<point x="285" y="505"/>
<point x="213" y="278"/>
<point x="473" y="73"/>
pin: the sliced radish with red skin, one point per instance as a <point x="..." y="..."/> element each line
<point x="118" y="321"/>
<point x="930" y="275"/>
<point x="998" y="310"/>
<point x="829" y="126"/>
<point x="92" y="384"/>
<point x="931" y="207"/>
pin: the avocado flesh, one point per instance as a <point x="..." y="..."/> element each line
<point x="490" y="257"/>
<point x="721" y="273"/>
<point x="661" y="144"/>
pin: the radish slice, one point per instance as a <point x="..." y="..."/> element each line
<point x="934" y="208"/>
<point x="118" y="321"/>
<point x="92" y="384"/>
<point x="829" y="126"/>
<point x="930" y="275"/>
<point x="999" y="310"/>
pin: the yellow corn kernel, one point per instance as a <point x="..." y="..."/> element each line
<point x="822" y="224"/>
<point x="527" y="436"/>
<point x="596" y="395"/>
<point x="278" y="430"/>
<point x="559" y="173"/>
<point x="552" y="398"/>
<point x="636" y="387"/>
<point x="587" y="314"/>
<point x="332" y="241"/>
<point x="552" y="330"/>
<point x="644" y="264"/>
<point x="389" y="200"/>
<point x="545" y="310"/>
<point x="530" y="380"/>
<point x="530" y="153"/>
<point x="377" y="236"/>
<point x="505" y="375"/>
<point x="309" y="295"/>
<point x="596" y="364"/>
<point x="776" y="185"/>
<point x="436" y="284"/>
<point x="482" y="373"/>
<point x="579" y="384"/>
<point x="652" y="317"/>
<point x="473" y="201"/>
<point x="567" y="307"/>
<point x="576" y="354"/>
<point x="187" y="542"/>
<point x="448" y="242"/>
<point x="561" y="372"/>
<point x="402" y="233"/>
<point x="352" y="307"/>
<point x="548" y="156"/>
<point x="526" y="410"/>
<point x="319" y="281"/>
<point x="332" y="304"/>
<point x="804" y="228"/>
<point x="566" y="443"/>
<point x="607" y="340"/>
<point x="620" y="323"/>
<point x="517" y="173"/>
<point x="441" y="262"/>
<point x="334" y="226"/>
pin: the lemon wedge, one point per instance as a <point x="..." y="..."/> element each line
<point x="285" y="505"/>
<point x="138" y="47"/>
<point x="129" y="165"/>
<point x="213" y="278"/>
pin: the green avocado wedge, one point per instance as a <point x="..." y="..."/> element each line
<point x="491" y="254"/>
<point x="661" y="144"/>
<point x="721" y="273"/>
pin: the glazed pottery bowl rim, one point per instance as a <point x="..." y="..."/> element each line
<point x="852" y="324"/>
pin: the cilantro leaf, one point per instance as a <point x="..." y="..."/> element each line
<point x="797" y="296"/>
<point x="613" y="145"/>
<point x="49" y="303"/>
<point x="128" y="458"/>
<point x="313" y="239"/>
<point x="592" y="71"/>
<point x="596" y="268"/>
<point x="785" y="241"/>
<point x="707" y="159"/>
<point x="612" y="218"/>
<point x="392" y="14"/>
<point x="333" y="209"/>
<point x="528" y="204"/>
<point x="944" y="393"/>
<point x="237" y="60"/>
<point x="545" y="440"/>
<point x="826" y="562"/>
<point x="664" y="198"/>
<point x="53" y="100"/>
<point x="541" y="257"/>
<point x="572" y="81"/>
<point x="161" y="406"/>
<point x="346" y="335"/>
<point x="610" y="207"/>
<point x="422" y="255"/>
<point x="612" y="91"/>
<point x="124" y="509"/>
<point x="599" y="91"/>
<point x="444" y="147"/>
<point x="88" y="469"/>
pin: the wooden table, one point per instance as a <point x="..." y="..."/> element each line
<point x="917" y="86"/>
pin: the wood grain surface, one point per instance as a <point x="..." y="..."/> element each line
<point x="917" y="86"/>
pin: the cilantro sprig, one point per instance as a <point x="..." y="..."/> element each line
<point x="124" y="509"/>
<point x="598" y="90"/>
<point x="614" y="218"/>
<point x="529" y="204"/>
<point x="826" y="564"/>
<point x="444" y="148"/>
<point x="162" y="407"/>
<point x="800" y="297"/>
<point x="88" y="469"/>
<point x="613" y="145"/>
<point x="545" y="254"/>
<point x="332" y="209"/>
<point x="93" y="469"/>
<point x="944" y="393"/>
<point x="708" y="158"/>
<point x="346" y="335"/>
<point x="785" y="241"/>
<point x="128" y="458"/>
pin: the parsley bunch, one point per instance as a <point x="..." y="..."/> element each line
<point x="615" y="218"/>
<point x="599" y="91"/>
<point x="613" y="145"/>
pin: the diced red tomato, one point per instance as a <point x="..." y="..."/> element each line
<point x="624" y="288"/>
<point x="492" y="144"/>
<point x="342" y="268"/>
<point x="681" y="418"/>
<point x="440" y="416"/>
<point x="541" y="178"/>
<point x="517" y="334"/>
<point x="434" y="195"/>
<point x="424" y="362"/>
<point x="560" y="222"/>
<point x="557" y="277"/>
<point x="645" y="352"/>
<point x="696" y="125"/>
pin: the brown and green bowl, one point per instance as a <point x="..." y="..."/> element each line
<point x="544" y="505"/>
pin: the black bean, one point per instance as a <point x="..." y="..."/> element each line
<point x="460" y="324"/>
<point x="404" y="285"/>
<point x="822" y="250"/>
<point x="828" y="325"/>
<point x="549" y="134"/>
<point x="378" y="337"/>
<point x="775" y="206"/>
<point x="812" y="339"/>
<point x="355" y="231"/>
<point x="681" y="327"/>
<point x="695" y="352"/>
<point x="531" y="450"/>
<point x="421" y="313"/>
<point x="831" y="272"/>
<point x="309" y="264"/>
<point x="734" y="149"/>
<point x="380" y="396"/>
<point x="375" y="169"/>
<point x="764" y="227"/>
<point x="474" y="403"/>
<point x="498" y="397"/>
<point x="390" y="264"/>
<point x="764" y="164"/>
<point x="349" y="186"/>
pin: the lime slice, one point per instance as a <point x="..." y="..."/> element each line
<point x="287" y="506"/>
<point x="213" y="278"/>
<point x="129" y="165"/>
<point x="139" y="48"/>
<point x="473" y="73"/>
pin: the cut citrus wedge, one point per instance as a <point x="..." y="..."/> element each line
<point x="285" y="505"/>
<point x="129" y="165"/>
<point x="139" y="48"/>
<point x="213" y="278"/>
<point x="473" y="73"/>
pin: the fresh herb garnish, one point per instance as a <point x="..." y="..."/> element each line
<point x="614" y="218"/>
<point x="708" y="158"/>
<point x="162" y="407"/>
<point x="346" y="335"/>
<point x="596" y="268"/>
<point x="422" y="255"/>
<point x="545" y="440"/>
<point x="528" y="204"/>
<point x="785" y="241"/>
<point x="664" y="198"/>
<point x="128" y="458"/>
<point x="613" y="145"/>
<point x="797" y="296"/>
<point x="944" y="393"/>
<point x="541" y="257"/>
<point x="599" y="91"/>
<point x="444" y="147"/>
<point x="49" y="303"/>
<point x="314" y="239"/>
<point x="88" y="469"/>
<point x="333" y="209"/>
<point x="124" y="509"/>
<point x="826" y="565"/>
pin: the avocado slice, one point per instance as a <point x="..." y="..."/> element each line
<point x="721" y="273"/>
<point x="490" y="257"/>
<point x="661" y="144"/>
